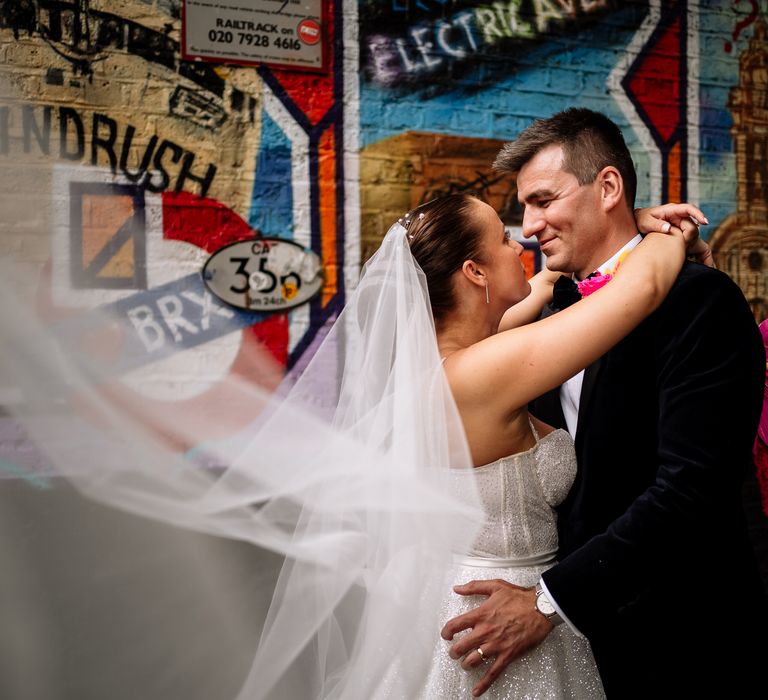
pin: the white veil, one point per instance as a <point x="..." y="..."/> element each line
<point x="342" y="484"/>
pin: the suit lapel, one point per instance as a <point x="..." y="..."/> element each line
<point x="591" y="375"/>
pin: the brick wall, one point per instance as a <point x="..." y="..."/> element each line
<point x="103" y="113"/>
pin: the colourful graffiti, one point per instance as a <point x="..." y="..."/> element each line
<point x="656" y="83"/>
<point x="743" y="23"/>
<point x="305" y="134"/>
<point x="445" y="34"/>
<point x="740" y="242"/>
<point x="443" y="83"/>
<point x="148" y="164"/>
<point x="406" y="170"/>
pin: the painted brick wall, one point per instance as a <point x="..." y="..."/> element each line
<point x="138" y="164"/>
<point x="416" y="99"/>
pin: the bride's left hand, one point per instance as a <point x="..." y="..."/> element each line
<point x="653" y="218"/>
<point x="686" y="217"/>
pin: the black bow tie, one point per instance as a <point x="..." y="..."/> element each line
<point x="564" y="293"/>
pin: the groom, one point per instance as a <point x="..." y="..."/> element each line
<point x="655" y="566"/>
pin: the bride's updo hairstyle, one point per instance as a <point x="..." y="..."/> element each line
<point x="443" y="233"/>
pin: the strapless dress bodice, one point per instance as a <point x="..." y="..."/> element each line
<point x="516" y="543"/>
<point x="518" y="495"/>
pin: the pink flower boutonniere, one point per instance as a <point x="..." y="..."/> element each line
<point x="592" y="284"/>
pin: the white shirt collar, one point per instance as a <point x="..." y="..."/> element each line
<point x="610" y="265"/>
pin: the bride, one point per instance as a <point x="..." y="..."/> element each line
<point x="523" y="468"/>
<point x="401" y="462"/>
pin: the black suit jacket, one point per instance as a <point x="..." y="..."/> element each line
<point x="655" y="565"/>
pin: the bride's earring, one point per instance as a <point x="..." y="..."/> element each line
<point x="487" y="298"/>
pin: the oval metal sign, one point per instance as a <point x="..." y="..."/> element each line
<point x="263" y="274"/>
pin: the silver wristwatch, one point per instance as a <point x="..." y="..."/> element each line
<point x="545" y="607"/>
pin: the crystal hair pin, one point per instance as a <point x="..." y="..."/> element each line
<point x="405" y="221"/>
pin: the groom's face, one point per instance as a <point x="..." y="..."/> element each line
<point x="561" y="213"/>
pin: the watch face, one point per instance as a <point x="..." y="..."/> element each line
<point x="544" y="606"/>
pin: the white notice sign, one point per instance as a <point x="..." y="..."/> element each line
<point x="287" y="33"/>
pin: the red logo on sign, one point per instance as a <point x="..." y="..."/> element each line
<point x="309" y="31"/>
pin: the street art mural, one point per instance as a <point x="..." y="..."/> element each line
<point x="530" y="59"/>
<point x="163" y="161"/>
<point x="740" y="243"/>
<point x="148" y="164"/>
<point x="142" y="165"/>
<point x="417" y="42"/>
<point x="477" y="73"/>
<point x="444" y="83"/>
<point x="98" y="68"/>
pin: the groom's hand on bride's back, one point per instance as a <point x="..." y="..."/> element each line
<point x="504" y="626"/>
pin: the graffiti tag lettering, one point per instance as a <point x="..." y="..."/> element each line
<point x="160" y="165"/>
<point x="428" y="47"/>
<point x="159" y="322"/>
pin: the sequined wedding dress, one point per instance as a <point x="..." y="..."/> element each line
<point x="516" y="543"/>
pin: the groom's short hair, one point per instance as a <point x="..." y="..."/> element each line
<point x="590" y="142"/>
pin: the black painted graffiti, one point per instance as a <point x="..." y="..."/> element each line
<point x="84" y="36"/>
<point x="480" y="186"/>
<point x="97" y="272"/>
<point x="161" y="164"/>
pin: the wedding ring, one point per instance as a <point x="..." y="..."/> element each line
<point x="482" y="656"/>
